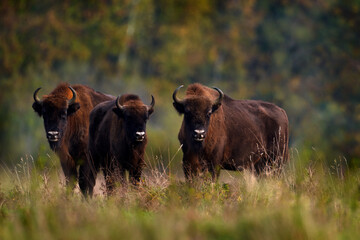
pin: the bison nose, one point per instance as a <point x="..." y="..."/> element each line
<point x="199" y="135"/>
<point x="140" y="136"/>
<point x="53" y="136"/>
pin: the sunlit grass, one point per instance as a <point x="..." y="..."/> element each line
<point x="308" y="200"/>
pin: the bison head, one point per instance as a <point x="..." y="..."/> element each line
<point x="55" y="109"/>
<point x="197" y="110"/>
<point x="135" y="115"/>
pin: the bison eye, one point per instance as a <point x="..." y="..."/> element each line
<point x="63" y="115"/>
<point x="208" y="113"/>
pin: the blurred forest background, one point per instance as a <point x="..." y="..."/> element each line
<point x="303" y="55"/>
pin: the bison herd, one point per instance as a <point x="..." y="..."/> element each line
<point x="90" y="131"/>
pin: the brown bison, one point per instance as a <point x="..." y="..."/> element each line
<point x="66" y="113"/>
<point x="219" y="132"/>
<point x="117" y="140"/>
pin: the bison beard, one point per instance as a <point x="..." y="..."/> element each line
<point x="65" y="112"/>
<point x="218" y="132"/>
<point x="117" y="140"/>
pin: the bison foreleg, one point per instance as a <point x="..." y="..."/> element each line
<point x="87" y="179"/>
<point x="135" y="175"/>
<point x="113" y="176"/>
<point x="109" y="180"/>
<point x="214" y="171"/>
<point x="69" y="169"/>
<point x="191" y="167"/>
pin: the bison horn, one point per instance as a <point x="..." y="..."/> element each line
<point x="72" y="100"/>
<point x="118" y="105"/>
<point x="152" y="104"/>
<point x="221" y="95"/>
<point x="176" y="100"/>
<point x="36" y="98"/>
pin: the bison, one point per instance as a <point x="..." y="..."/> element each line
<point x="117" y="140"/>
<point x="66" y="113"/>
<point x="218" y="132"/>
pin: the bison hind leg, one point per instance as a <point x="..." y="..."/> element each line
<point x="271" y="164"/>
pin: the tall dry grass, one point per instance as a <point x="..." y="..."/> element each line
<point x="308" y="200"/>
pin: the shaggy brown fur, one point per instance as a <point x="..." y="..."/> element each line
<point x="239" y="134"/>
<point x="72" y="123"/>
<point x="113" y="143"/>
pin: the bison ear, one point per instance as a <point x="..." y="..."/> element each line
<point x="179" y="107"/>
<point x="38" y="108"/>
<point x="216" y="106"/>
<point x="73" y="108"/>
<point x="150" y="111"/>
<point x="118" y="111"/>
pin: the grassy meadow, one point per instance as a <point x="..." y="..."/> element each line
<point x="304" y="56"/>
<point x="308" y="200"/>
